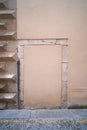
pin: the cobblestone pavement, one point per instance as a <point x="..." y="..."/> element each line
<point x="61" y="119"/>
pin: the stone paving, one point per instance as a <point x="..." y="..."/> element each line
<point x="61" y="119"/>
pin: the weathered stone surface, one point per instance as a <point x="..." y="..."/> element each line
<point x="2" y="46"/>
<point x="37" y="42"/>
<point x="8" y="56"/>
<point x="22" y="69"/>
<point x="20" y="52"/>
<point x="64" y="95"/>
<point x="3" y="4"/>
<point x="2" y="85"/>
<point x="22" y="90"/>
<point x="7" y="77"/>
<point x="7" y="35"/>
<point x="11" y="67"/>
<point x="65" y="54"/>
<point x="2" y="106"/>
<point x="7" y="96"/>
<point x="7" y="14"/>
<point x="12" y="87"/>
<point x="64" y="72"/>
<point x="2" y="66"/>
<point x="62" y="42"/>
<point x="11" y="46"/>
<point x="2" y="25"/>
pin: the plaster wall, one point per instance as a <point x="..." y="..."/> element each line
<point x="53" y="19"/>
<point x="42" y="76"/>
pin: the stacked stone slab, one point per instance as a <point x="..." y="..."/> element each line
<point x="8" y="56"/>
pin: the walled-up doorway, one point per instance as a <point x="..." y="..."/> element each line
<point x="42" y="76"/>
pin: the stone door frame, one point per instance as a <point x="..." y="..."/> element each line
<point x="61" y="42"/>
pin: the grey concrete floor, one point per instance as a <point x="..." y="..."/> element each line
<point x="44" y="119"/>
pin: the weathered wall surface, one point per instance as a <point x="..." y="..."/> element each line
<point x="8" y="55"/>
<point x="49" y="19"/>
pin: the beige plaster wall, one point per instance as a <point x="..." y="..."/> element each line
<point x="42" y="76"/>
<point x="41" y="19"/>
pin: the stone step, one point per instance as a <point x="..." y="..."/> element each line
<point x="7" y="77"/>
<point x="3" y="26"/>
<point x="2" y="86"/>
<point x="7" y="14"/>
<point x="2" y="46"/>
<point x="7" y="35"/>
<point x="2" y="67"/>
<point x="2" y="106"/>
<point x="7" y="96"/>
<point x="8" y="56"/>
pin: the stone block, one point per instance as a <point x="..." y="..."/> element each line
<point x="65" y="54"/>
<point x="2" y="46"/>
<point x="7" y="35"/>
<point x="64" y="72"/>
<point x="7" y="14"/>
<point x="2" y="67"/>
<point x="22" y="69"/>
<point x="7" y="77"/>
<point x="7" y="96"/>
<point x="2" y="106"/>
<point x="22" y="90"/>
<point x="3" y="26"/>
<point x="20" y="52"/>
<point x="8" y="56"/>
<point x="2" y="85"/>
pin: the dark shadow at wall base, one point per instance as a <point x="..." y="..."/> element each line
<point x="78" y="107"/>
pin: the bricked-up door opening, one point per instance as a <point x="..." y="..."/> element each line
<point x="42" y="76"/>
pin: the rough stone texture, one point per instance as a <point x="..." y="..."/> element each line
<point x="37" y="42"/>
<point x="8" y="49"/>
<point x="8" y="56"/>
<point x="62" y="42"/>
<point x="2" y="46"/>
<point x="43" y="119"/>
<point x="2" y="106"/>
<point x="64" y="95"/>
<point x="11" y="46"/>
<point x="65" y="53"/>
<point x="20" y="52"/>
<point x="2" y="67"/>
<point x="64" y="75"/>
<point x="64" y="72"/>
